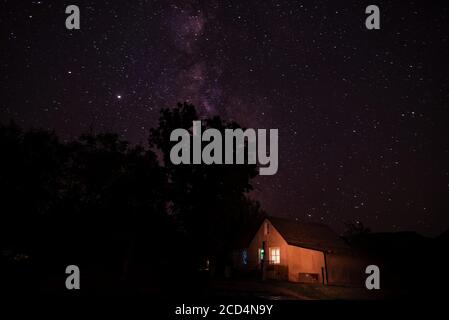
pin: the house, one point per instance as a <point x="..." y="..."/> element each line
<point x="287" y="249"/>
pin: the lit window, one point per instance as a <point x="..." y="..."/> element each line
<point x="275" y="255"/>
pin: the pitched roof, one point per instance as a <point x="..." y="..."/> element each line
<point x="315" y="236"/>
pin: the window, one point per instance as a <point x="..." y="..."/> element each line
<point x="275" y="255"/>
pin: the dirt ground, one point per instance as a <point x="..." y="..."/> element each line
<point x="283" y="290"/>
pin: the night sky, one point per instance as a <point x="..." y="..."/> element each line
<point x="362" y="115"/>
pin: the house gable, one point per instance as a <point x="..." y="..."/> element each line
<point x="272" y="239"/>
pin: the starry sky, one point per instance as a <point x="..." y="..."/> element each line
<point x="362" y="115"/>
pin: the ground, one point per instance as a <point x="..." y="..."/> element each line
<point x="283" y="290"/>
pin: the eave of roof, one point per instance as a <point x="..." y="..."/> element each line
<point x="313" y="236"/>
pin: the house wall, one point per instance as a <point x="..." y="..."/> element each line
<point x="304" y="264"/>
<point x="346" y="269"/>
<point x="272" y="239"/>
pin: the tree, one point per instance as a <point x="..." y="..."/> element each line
<point x="210" y="201"/>
<point x="354" y="229"/>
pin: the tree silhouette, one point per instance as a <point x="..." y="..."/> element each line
<point x="115" y="209"/>
<point x="209" y="200"/>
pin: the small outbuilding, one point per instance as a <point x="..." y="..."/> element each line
<point x="288" y="249"/>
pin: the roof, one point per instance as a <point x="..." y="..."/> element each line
<point x="315" y="236"/>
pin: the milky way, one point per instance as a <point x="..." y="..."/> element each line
<point x="362" y="115"/>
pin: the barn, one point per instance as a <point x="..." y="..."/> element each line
<point x="287" y="249"/>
